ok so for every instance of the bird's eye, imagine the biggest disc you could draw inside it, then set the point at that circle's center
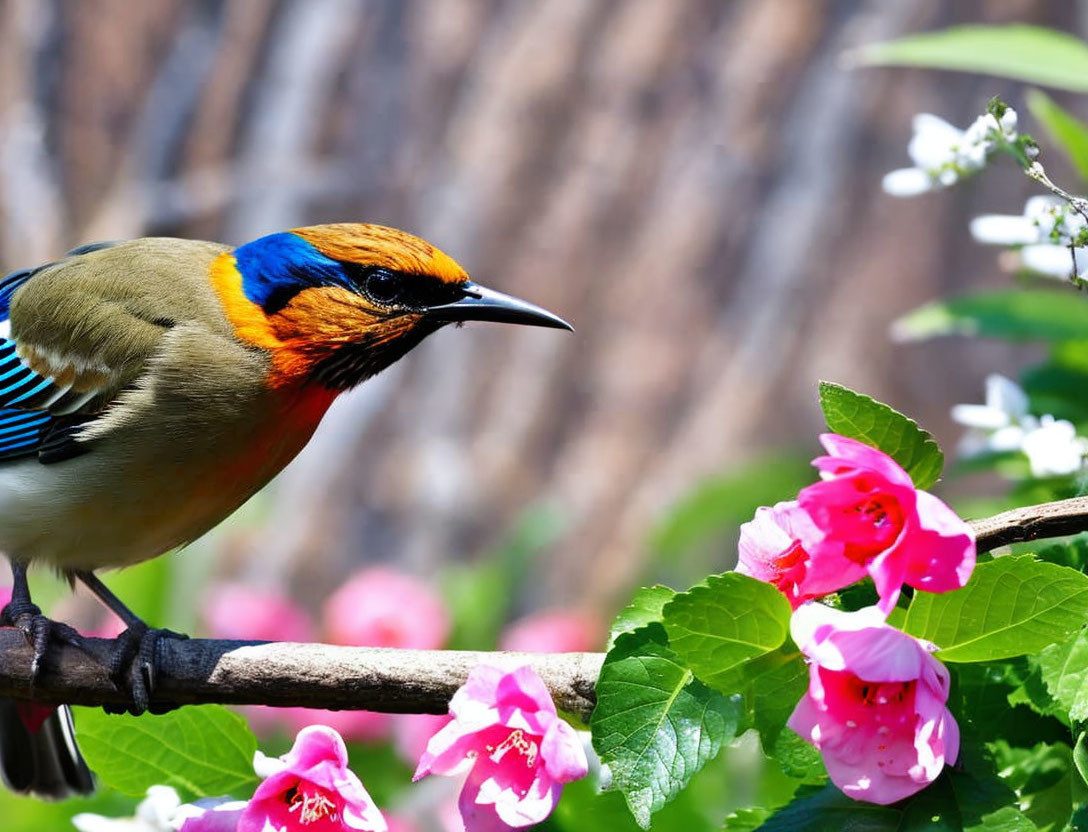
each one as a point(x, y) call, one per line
point(382, 286)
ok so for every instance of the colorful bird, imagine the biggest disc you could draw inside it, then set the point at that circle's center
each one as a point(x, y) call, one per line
point(149, 388)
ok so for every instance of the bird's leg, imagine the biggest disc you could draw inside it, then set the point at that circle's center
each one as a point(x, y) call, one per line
point(135, 657)
point(39, 630)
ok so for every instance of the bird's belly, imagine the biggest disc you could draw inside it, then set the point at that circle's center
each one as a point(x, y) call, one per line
point(115, 507)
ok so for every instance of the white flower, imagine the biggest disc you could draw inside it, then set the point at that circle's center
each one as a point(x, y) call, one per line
point(1045, 231)
point(160, 811)
point(154, 814)
point(1053, 449)
point(1003, 424)
point(943, 154)
point(999, 425)
point(1055, 261)
point(1046, 219)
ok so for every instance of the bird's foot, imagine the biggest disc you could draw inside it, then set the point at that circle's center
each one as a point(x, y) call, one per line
point(40, 631)
point(133, 666)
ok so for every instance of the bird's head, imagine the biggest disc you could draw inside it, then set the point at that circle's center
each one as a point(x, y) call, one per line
point(338, 303)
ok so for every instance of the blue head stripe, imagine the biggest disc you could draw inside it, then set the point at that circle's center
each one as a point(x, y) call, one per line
point(276, 268)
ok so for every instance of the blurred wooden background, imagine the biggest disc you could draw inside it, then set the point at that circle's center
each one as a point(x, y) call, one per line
point(694, 183)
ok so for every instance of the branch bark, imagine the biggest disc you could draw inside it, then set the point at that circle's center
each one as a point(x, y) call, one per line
point(197, 671)
point(283, 674)
point(1020, 525)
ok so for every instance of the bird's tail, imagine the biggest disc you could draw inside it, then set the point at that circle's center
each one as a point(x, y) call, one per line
point(38, 752)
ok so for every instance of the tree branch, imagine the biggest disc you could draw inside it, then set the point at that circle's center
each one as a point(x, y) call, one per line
point(1032, 523)
point(197, 671)
point(285, 674)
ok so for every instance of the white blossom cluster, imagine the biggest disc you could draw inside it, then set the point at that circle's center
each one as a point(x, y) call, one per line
point(1045, 233)
point(161, 811)
point(1003, 424)
point(943, 154)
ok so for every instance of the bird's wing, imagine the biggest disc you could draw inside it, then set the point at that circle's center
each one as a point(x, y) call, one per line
point(73, 334)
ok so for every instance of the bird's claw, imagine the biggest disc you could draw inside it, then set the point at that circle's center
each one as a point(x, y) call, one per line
point(133, 666)
point(40, 631)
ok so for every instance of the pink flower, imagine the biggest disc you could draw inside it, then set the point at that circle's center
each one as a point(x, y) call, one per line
point(867, 517)
point(236, 611)
point(517, 751)
point(770, 550)
point(382, 608)
point(312, 788)
point(553, 631)
point(875, 706)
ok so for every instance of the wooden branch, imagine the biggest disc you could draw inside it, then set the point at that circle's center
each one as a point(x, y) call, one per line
point(194, 671)
point(1032, 523)
point(284, 674)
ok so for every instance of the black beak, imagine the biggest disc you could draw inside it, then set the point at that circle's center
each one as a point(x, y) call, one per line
point(483, 304)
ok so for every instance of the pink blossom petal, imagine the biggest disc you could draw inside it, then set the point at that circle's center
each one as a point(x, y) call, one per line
point(564, 755)
point(846, 452)
point(448, 751)
point(506, 732)
point(944, 555)
point(314, 788)
point(876, 704)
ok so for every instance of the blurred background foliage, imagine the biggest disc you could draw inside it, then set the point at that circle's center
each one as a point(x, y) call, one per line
point(694, 183)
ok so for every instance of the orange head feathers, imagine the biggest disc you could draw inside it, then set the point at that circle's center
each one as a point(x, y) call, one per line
point(336, 304)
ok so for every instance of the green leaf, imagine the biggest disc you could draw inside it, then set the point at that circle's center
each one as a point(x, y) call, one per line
point(1058, 389)
point(980, 700)
point(799, 759)
point(983, 801)
point(829, 810)
point(1011, 606)
point(644, 608)
point(1025, 53)
point(776, 683)
point(1034, 693)
point(202, 751)
point(1012, 314)
point(857, 416)
point(1065, 670)
point(1064, 128)
point(655, 725)
point(745, 820)
point(1080, 756)
point(1072, 553)
point(717, 627)
point(1045, 779)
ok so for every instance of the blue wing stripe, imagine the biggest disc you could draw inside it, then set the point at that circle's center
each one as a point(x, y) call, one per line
point(22, 431)
point(16, 440)
point(18, 368)
point(24, 448)
point(28, 376)
point(13, 425)
point(19, 429)
point(45, 385)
